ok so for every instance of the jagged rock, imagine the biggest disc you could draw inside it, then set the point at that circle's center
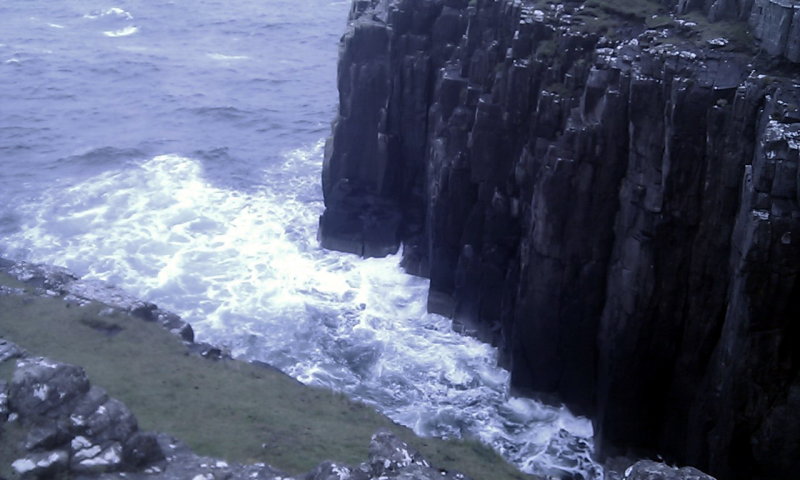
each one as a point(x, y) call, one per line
point(9, 351)
point(88, 458)
point(176, 325)
point(619, 216)
point(389, 458)
point(42, 465)
point(142, 450)
point(111, 422)
point(649, 470)
point(388, 455)
point(60, 281)
point(211, 352)
point(46, 277)
point(43, 388)
point(48, 436)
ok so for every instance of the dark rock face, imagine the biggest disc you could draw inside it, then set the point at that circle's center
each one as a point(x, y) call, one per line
point(620, 217)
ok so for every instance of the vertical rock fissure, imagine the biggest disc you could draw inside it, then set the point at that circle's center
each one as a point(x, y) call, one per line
point(605, 192)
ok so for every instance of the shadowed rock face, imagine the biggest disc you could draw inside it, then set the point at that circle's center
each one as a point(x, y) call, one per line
point(619, 216)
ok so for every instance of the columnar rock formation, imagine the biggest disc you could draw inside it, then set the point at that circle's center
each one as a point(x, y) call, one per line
point(603, 190)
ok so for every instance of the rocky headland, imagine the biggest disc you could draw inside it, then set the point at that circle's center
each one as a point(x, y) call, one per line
point(607, 190)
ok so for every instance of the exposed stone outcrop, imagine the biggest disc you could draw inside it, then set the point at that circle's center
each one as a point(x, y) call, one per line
point(58, 281)
point(619, 214)
point(72, 426)
point(75, 430)
point(648, 470)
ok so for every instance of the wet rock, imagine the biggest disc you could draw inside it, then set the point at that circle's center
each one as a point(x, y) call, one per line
point(388, 455)
point(208, 351)
point(649, 470)
point(176, 325)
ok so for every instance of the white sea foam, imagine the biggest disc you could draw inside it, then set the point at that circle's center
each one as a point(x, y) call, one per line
point(123, 32)
point(111, 12)
point(219, 56)
point(55, 25)
point(245, 269)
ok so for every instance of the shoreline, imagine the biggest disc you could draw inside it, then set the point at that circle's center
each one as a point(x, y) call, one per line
point(195, 391)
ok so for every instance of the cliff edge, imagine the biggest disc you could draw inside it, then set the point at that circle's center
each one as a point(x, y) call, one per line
point(608, 191)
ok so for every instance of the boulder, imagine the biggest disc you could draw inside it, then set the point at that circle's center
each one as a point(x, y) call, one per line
point(9, 351)
point(649, 470)
point(46, 389)
point(87, 458)
point(142, 450)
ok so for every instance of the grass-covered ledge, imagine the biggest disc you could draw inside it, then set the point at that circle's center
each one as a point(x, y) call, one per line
point(226, 409)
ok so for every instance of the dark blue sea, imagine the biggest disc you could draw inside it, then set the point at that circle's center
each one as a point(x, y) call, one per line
point(173, 148)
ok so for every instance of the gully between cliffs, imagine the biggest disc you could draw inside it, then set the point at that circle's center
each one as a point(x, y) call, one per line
point(602, 192)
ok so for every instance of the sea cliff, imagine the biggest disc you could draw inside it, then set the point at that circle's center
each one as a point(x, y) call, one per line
point(608, 191)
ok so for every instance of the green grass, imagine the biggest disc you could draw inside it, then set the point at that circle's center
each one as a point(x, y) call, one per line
point(627, 9)
point(604, 17)
point(735, 32)
point(228, 409)
point(11, 438)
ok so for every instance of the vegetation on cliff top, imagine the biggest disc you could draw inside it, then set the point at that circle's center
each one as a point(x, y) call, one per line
point(227, 409)
point(613, 18)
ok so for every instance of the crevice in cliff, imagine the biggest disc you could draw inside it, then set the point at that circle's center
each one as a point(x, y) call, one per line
point(610, 197)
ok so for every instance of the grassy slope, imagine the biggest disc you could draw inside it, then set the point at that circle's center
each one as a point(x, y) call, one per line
point(232, 410)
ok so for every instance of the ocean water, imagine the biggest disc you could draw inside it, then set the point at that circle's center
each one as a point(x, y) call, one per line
point(173, 148)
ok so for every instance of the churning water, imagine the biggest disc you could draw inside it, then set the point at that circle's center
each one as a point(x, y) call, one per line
point(174, 148)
